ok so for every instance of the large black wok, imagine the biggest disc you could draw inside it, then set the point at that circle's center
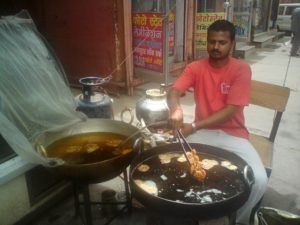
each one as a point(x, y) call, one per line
point(178, 194)
point(97, 171)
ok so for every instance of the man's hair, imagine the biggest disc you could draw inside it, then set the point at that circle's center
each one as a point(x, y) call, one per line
point(222, 25)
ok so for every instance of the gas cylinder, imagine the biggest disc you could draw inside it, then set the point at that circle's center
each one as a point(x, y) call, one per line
point(94, 104)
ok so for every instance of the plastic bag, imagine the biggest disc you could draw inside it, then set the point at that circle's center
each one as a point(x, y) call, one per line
point(34, 93)
point(271, 216)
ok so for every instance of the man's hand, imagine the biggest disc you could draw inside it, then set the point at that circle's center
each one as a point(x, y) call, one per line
point(186, 129)
point(176, 118)
point(176, 114)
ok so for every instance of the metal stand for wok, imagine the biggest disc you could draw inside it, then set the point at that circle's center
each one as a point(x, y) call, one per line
point(81, 187)
point(153, 218)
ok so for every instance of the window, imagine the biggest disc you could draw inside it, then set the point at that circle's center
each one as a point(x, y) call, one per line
point(147, 6)
point(206, 6)
point(289, 10)
point(280, 10)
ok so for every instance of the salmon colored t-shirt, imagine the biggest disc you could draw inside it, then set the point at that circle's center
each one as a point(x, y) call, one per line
point(214, 88)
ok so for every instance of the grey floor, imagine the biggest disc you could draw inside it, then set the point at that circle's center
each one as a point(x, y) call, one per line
point(270, 64)
point(64, 215)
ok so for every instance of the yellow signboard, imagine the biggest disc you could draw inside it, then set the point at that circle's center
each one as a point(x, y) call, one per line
point(202, 22)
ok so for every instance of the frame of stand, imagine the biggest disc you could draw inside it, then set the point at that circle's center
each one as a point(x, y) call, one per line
point(82, 187)
point(154, 218)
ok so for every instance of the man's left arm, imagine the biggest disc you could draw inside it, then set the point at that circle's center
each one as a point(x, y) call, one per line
point(215, 119)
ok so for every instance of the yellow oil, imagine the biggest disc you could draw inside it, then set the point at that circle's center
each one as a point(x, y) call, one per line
point(88, 147)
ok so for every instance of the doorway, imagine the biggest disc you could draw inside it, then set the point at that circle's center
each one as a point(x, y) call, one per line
point(149, 35)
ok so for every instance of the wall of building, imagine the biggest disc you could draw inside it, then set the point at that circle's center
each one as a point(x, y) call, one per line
point(27, 191)
point(87, 36)
point(84, 35)
point(14, 200)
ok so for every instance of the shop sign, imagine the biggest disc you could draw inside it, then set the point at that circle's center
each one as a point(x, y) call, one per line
point(242, 24)
point(202, 22)
point(147, 35)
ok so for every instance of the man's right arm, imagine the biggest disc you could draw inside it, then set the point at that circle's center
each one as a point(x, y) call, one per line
point(176, 114)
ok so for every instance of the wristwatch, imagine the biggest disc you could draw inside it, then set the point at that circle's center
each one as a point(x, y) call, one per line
point(194, 127)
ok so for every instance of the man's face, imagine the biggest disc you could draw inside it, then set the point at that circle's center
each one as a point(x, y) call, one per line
point(219, 44)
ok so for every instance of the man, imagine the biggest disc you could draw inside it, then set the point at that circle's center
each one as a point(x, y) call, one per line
point(295, 28)
point(221, 87)
point(274, 13)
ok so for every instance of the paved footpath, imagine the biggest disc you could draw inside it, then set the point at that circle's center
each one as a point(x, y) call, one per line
point(273, 64)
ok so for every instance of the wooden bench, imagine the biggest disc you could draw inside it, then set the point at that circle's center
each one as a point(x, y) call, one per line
point(273, 97)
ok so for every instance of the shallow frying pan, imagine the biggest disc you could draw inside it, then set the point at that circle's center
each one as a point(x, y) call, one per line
point(160, 180)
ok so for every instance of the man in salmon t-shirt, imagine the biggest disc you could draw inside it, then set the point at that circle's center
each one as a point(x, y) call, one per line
point(221, 87)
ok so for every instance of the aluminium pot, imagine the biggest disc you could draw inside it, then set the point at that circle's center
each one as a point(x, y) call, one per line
point(101, 170)
point(153, 107)
point(221, 193)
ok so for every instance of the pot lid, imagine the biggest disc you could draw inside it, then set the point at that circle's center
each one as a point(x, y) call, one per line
point(155, 93)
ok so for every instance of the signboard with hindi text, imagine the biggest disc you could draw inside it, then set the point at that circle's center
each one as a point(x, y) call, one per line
point(202, 22)
point(147, 35)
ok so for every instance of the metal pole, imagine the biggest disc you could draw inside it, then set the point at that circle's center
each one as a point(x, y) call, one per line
point(228, 6)
point(166, 42)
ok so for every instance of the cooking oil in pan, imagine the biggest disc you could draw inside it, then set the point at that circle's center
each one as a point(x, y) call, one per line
point(172, 179)
point(88, 147)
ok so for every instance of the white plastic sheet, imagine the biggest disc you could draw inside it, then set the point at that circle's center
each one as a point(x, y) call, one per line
point(34, 93)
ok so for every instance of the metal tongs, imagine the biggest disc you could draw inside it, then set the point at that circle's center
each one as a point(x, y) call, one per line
point(183, 141)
